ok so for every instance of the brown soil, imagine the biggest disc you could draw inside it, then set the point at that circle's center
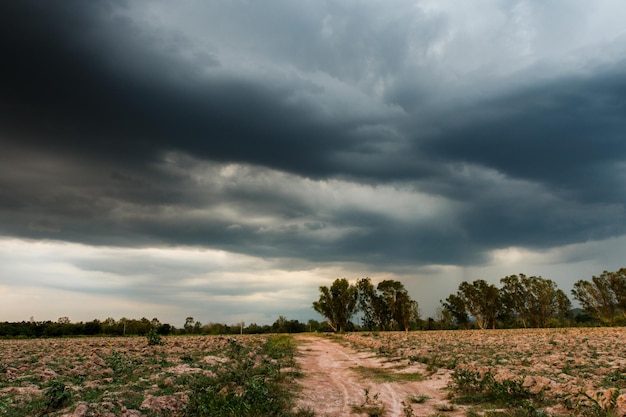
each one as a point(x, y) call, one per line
point(332, 386)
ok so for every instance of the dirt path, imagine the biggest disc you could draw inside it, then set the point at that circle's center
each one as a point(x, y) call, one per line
point(332, 385)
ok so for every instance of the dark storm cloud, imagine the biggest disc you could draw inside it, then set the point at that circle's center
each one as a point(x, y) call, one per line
point(567, 135)
point(87, 80)
point(117, 131)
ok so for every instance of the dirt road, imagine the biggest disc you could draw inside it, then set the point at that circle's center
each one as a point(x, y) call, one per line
point(336, 379)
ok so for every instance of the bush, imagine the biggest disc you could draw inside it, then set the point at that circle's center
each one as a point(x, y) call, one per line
point(154, 338)
point(475, 387)
point(249, 384)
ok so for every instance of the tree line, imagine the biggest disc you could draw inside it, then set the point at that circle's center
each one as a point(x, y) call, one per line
point(520, 301)
point(63, 327)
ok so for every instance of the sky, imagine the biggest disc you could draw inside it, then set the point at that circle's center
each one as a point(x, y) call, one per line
point(222, 160)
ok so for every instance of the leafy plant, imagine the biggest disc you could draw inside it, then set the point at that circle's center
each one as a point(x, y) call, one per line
point(246, 385)
point(445, 407)
point(371, 406)
point(475, 387)
point(154, 338)
point(119, 362)
point(418, 399)
point(57, 395)
point(385, 375)
point(603, 404)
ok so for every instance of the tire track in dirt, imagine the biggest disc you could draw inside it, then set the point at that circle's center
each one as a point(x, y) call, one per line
point(331, 386)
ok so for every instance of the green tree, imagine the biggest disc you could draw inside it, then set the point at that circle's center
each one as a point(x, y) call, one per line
point(400, 309)
point(337, 303)
point(482, 301)
point(533, 300)
point(189, 325)
point(604, 297)
point(454, 307)
point(370, 305)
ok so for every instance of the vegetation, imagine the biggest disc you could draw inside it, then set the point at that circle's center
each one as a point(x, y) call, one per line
point(187, 376)
point(371, 406)
point(153, 330)
point(386, 307)
point(521, 302)
point(252, 383)
point(604, 298)
point(514, 372)
point(337, 303)
point(533, 300)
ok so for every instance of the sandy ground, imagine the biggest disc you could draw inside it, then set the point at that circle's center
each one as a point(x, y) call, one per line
point(332, 387)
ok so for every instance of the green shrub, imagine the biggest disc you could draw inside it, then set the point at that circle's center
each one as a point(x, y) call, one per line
point(57, 396)
point(474, 387)
point(249, 384)
point(154, 338)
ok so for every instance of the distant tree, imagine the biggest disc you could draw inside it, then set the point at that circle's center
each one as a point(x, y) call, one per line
point(164, 329)
point(533, 300)
point(197, 327)
point(515, 296)
point(337, 303)
point(407, 313)
point(454, 307)
point(313, 325)
point(481, 300)
point(280, 325)
point(188, 326)
point(108, 325)
point(93, 327)
point(374, 312)
point(604, 297)
point(400, 309)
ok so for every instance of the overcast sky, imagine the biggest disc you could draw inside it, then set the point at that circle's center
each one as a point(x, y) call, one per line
point(222, 160)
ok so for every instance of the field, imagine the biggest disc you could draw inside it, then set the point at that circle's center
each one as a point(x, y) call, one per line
point(554, 371)
point(127, 377)
point(539, 372)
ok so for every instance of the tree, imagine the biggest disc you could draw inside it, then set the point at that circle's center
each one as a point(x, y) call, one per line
point(533, 300)
point(408, 313)
point(189, 325)
point(337, 303)
point(515, 297)
point(400, 309)
point(371, 306)
point(454, 306)
point(604, 297)
point(481, 300)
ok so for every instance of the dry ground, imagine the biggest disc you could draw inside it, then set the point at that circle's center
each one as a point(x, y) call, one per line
point(574, 371)
point(337, 376)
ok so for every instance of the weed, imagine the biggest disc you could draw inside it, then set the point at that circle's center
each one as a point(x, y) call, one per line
point(521, 411)
point(6, 405)
point(384, 375)
point(445, 407)
point(371, 406)
point(119, 363)
point(407, 409)
point(475, 387)
point(418, 399)
point(57, 395)
point(244, 386)
point(616, 378)
point(154, 338)
point(602, 404)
